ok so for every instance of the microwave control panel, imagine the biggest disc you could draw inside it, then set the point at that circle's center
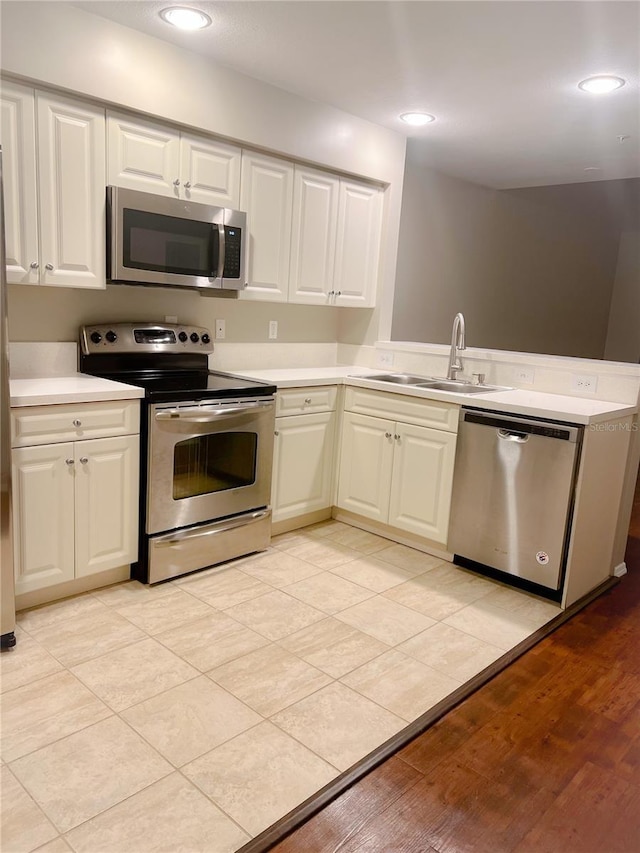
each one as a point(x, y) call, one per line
point(232, 251)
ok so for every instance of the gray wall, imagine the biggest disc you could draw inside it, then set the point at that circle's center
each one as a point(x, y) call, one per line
point(531, 269)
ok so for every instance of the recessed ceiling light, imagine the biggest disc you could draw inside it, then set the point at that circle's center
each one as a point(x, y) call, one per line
point(185, 18)
point(601, 84)
point(417, 119)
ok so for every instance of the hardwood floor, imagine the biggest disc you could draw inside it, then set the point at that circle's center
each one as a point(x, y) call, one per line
point(545, 758)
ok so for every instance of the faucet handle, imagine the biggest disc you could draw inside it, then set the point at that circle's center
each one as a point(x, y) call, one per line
point(480, 378)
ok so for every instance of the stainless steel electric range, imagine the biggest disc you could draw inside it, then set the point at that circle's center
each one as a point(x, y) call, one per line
point(206, 446)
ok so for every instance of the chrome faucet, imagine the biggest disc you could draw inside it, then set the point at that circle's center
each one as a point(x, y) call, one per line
point(457, 343)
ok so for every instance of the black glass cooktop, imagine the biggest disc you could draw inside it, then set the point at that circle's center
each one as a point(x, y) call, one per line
point(176, 386)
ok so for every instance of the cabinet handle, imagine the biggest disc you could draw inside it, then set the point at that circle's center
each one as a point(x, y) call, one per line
point(276, 433)
point(77, 423)
point(69, 461)
point(84, 459)
point(387, 435)
point(397, 437)
point(187, 186)
point(34, 265)
point(307, 400)
point(176, 183)
point(339, 293)
point(48, 267)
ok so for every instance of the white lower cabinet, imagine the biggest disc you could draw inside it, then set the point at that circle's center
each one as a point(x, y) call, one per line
point(75, 505)
point(303, 452)
point(395, 472)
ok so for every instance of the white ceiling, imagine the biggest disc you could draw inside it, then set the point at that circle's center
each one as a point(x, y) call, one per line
point(500, 77)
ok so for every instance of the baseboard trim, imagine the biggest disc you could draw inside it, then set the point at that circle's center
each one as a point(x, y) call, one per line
point(292, 821)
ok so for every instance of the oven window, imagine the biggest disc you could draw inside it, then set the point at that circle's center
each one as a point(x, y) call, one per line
point(214, 463)
point(152, 241)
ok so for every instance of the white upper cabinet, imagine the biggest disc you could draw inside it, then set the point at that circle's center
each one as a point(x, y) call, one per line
point(55, 210)
point(358, 244)
point(71, 162)
point(211, 171)
point(266, 194)
point(313, 238)
point(18, 129)
point(156, 159)
point(142, 155)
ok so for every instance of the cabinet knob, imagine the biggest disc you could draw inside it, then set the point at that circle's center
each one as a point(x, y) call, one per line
point(77, 423)
point(276, 433)
point(176, 183)
point(69, 461)
point(187, 186)
point(307, 400)
point(84, 459)
point(339, 293)
point(34, 265)
point(48, 267)
point(387, 435)
point(397, 437)
point(331, 292)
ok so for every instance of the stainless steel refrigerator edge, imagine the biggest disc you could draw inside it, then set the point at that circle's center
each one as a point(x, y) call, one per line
point(7, 582)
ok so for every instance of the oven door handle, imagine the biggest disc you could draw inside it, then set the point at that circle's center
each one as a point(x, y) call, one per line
point(210, 530)
point(203, 416)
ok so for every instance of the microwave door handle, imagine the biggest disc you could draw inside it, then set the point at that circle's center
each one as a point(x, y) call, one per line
point(221, 252)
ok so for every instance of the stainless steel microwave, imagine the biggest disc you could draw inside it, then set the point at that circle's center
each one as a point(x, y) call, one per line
point(169, 242)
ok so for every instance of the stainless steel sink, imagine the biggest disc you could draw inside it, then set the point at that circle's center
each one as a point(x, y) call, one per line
point(397, 378)
point(436, 384)
point(458, 386)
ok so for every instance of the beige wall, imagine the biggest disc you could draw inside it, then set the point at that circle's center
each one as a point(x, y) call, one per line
point(55, 313)
point(623, 333)
point(532, 269)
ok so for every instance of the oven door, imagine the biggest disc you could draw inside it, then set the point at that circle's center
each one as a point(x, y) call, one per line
point(208, 460)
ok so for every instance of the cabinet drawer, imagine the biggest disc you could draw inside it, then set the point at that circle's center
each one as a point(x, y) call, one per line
point(302, 401)
point(32, 425)
point(398, 407)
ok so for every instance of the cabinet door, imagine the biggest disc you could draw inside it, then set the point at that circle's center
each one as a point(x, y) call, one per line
point(366, 461)
point(143, 156)
point(266, 194)
point(422, 481)
point(18, 138)
point(71, 160)
point(106, 503)
point(313, 239)
point(302, 464)
point(210, 171)
point(358, 244)
point(43, 515)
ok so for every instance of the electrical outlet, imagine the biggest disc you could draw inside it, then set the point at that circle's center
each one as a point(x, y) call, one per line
point(273, 330)
point(384, 358)
point(220, 330)
point(169, 318)
point(524, 375)
point(584, 383)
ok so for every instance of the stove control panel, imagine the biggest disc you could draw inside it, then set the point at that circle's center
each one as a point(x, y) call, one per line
point(144, 337)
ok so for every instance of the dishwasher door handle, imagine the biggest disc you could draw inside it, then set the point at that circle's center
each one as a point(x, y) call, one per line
point(509, 435)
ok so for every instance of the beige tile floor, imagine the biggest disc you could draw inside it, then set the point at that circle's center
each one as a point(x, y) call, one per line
point(192, 715)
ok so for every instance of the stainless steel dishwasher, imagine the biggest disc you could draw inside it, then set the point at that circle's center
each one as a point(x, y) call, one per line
point(513, 494)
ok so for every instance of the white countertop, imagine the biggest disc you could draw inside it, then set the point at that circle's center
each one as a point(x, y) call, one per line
point(77, 388)
point(579, 410)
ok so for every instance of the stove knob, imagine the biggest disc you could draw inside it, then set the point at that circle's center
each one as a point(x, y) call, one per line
point(111, 336)
point(206, 339)
point(194, 337)
point(182, 336)
point(96, 337)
